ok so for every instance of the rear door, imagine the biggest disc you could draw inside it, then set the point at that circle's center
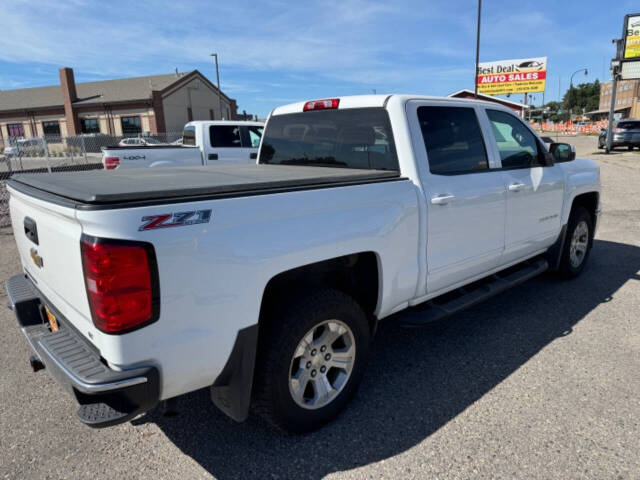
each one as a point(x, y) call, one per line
point(465, 197)
point(534, 192)
point(225, 146)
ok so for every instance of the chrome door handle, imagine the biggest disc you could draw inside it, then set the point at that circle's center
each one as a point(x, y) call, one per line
point(442, 199)
point(516, 187)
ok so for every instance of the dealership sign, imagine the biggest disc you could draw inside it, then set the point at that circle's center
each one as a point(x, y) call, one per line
point(632, 37)
point(512, 76)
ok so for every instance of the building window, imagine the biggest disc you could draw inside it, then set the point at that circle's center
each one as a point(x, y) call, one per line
point(131, 125)
point(15, 130)
point(90, 125)
point(51, 128)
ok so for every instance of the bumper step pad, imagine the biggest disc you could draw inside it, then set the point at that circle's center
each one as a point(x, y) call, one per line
point(103, 415)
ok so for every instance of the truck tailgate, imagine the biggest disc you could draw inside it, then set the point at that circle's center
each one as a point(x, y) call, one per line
point(48, 241)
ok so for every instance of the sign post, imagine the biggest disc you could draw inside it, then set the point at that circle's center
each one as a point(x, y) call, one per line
point(625, 65)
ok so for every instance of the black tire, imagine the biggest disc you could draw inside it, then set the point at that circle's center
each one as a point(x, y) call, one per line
point(630, 147)
point(285, 328)
point(567, 269)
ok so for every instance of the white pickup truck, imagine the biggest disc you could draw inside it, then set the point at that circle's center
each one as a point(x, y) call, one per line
point(215, 142)
point(266, 282)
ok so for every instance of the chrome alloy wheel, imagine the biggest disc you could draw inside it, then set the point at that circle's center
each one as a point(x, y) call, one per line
point(322, 364)
point(579, 244)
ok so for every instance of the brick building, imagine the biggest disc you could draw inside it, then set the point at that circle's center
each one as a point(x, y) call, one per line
point(127, 106)
point(627, 100)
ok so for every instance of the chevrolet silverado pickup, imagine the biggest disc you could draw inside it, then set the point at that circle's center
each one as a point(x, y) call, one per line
point(265, 282)
point(216, 142)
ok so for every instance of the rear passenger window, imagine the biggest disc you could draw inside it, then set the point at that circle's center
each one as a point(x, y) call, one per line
point(225, 136)
point(453, 140)
point(517, 146)
point(189, 136)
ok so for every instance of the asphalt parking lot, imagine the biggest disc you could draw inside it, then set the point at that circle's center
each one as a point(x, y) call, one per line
point(540, 382)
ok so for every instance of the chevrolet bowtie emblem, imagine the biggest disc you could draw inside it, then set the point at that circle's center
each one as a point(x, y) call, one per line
point(37, 259)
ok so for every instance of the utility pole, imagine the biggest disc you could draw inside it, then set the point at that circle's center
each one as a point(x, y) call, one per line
point(615, 69)
point(475, 73)
point(215, 55)
point(560, 102)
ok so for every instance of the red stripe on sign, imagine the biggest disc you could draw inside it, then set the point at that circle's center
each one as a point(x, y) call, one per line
point(511, 77)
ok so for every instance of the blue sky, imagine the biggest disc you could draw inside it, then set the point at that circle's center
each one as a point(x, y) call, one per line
point(274, 52)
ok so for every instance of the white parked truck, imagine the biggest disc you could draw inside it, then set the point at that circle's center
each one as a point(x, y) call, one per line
point(266, 282)
point(215, 142)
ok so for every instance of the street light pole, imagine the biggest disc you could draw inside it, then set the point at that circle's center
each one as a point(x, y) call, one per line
point(586, 72)
point(215, 55)
point(475, 73)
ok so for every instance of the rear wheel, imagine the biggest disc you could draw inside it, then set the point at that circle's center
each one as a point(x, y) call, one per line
point(311, 361)
point(630, 147)
point(577, 244)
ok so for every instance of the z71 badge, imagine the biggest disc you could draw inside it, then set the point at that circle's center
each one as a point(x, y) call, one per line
point(179, 219)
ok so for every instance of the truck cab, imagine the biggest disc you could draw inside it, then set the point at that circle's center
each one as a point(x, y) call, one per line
point(224, 142)
point(204, 142)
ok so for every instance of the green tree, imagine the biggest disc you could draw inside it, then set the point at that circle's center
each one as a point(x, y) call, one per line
point(585, 97)
point(555, 112)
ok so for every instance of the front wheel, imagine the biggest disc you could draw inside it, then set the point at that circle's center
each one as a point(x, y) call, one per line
point(578, 243)
point(311, 360)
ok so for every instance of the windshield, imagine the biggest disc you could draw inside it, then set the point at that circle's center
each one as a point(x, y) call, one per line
point(152, 141)
point(350, 138)
point(629, 125)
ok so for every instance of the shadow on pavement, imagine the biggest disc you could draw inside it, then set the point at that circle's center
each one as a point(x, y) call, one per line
point(417, 381)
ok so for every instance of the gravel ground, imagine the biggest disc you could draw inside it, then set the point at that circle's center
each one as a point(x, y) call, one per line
point(540, 382)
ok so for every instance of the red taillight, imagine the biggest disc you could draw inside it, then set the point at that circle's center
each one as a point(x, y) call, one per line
point(326, 104)
point(121, 281)
point(111, 163)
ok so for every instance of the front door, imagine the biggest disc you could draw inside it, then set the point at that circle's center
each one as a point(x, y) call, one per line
point(466, 198)
point(534, 192)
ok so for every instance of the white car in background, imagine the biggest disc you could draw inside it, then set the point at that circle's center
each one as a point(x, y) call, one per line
point(140, 142)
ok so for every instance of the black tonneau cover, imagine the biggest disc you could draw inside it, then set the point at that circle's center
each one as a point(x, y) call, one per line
point(168, 184)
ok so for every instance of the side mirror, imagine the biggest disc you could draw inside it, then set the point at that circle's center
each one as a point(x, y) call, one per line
point(562, 152)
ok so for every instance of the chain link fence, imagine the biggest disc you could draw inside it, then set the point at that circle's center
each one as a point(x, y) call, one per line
point(63, 154)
